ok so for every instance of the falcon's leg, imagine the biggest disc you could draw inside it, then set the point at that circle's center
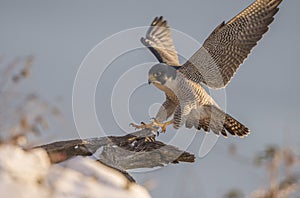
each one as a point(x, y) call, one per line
point(165, 111)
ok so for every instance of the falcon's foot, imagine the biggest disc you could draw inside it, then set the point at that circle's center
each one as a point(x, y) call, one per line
point(150, 138)
point(143, 125)
point(164, 125)
point(153, 126)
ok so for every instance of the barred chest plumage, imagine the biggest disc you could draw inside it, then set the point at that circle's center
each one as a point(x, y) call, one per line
point(182, 90)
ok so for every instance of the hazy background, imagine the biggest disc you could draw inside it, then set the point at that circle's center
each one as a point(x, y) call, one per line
point(264, 94)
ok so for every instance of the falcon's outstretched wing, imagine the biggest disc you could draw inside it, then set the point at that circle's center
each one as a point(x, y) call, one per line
point(159, 41)
point(229, 45)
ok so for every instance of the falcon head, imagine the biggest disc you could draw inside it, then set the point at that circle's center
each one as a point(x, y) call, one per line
point(161, 73)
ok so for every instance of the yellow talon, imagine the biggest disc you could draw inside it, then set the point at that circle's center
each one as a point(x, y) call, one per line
point(150, 139)
point(132, 139)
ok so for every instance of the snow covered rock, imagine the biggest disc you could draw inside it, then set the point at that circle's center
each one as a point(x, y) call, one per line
point(30, 174)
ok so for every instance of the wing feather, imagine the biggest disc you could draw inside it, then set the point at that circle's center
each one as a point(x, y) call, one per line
point(160, 43)
point(229, 45)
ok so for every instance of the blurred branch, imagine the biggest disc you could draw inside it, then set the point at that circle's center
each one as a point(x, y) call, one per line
point(281, 185)
point(8, 73)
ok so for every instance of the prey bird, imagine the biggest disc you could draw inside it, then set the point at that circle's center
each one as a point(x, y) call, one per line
point(214, 64)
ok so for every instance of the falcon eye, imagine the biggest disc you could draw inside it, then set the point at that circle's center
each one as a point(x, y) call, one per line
point(157, 74)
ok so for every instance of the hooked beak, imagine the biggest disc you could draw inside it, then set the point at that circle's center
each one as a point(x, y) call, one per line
point(151, 79)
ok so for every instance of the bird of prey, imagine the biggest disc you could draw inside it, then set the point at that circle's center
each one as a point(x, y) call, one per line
point(214, 64)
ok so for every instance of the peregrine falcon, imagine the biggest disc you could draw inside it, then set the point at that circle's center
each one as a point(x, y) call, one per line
point(214, 64)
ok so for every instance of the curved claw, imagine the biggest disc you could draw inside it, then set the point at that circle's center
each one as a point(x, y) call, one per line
point(157, 133)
